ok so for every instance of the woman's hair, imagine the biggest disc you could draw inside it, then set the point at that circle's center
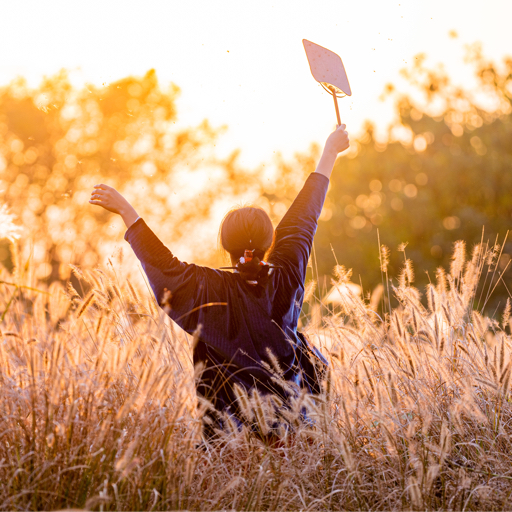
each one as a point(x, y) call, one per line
point(247, 229)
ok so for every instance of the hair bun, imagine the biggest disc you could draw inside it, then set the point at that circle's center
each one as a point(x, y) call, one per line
point(253, 269)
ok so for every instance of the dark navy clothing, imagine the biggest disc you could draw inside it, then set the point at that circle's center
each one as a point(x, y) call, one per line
point(235, 338)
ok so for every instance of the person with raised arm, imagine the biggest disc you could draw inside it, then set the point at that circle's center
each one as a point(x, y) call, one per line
point(248, 317)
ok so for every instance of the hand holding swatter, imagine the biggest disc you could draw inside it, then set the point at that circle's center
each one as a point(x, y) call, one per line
point(327, 69)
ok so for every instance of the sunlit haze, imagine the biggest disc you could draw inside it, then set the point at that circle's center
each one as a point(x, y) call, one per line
point(242, 64)
point(200, 310)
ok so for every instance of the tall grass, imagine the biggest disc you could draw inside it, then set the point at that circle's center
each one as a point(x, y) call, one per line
point(98, 409)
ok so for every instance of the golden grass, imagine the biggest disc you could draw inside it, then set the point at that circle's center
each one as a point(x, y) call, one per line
point(98, 411)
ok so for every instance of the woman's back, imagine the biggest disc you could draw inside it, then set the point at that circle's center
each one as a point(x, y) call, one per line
point(245, 328)
point(236, 316)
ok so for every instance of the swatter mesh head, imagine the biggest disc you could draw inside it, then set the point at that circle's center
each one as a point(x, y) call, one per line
point(327, 68)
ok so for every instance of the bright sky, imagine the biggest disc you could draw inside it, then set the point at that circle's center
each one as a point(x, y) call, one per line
point(242, 63)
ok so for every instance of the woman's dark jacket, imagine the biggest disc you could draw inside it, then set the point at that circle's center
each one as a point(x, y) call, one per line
point(235, 338)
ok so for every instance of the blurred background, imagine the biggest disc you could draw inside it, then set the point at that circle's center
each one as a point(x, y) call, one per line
point(191, 108)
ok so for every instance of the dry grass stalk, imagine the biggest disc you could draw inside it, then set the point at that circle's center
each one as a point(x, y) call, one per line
point(98, 408)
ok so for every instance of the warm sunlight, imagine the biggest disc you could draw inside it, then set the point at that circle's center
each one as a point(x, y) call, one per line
point(214, 298)
point(243, 64)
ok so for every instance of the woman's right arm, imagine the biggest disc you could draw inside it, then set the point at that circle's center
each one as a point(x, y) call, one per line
point(337, 142)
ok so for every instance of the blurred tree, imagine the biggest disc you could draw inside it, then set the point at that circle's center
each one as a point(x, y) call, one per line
point(443, 175)
point(56, 142)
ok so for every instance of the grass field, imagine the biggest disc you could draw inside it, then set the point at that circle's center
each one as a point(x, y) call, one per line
point(98, 406)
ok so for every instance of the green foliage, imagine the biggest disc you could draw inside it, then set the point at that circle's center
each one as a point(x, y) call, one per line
point(443, 174)
point(447, 178)
point(57, 142)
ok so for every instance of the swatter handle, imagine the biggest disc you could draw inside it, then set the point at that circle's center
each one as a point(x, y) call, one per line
point(336, 107)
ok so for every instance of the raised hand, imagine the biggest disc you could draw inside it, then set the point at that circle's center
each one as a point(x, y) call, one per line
point(110, 199)
point(338, 140)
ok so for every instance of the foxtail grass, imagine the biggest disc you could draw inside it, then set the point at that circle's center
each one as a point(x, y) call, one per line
point(99, 411)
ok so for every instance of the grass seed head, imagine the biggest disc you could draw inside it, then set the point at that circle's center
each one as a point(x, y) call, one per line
point(432, 298)
point(506, 314)
point(458, 259)
point(384, 258)
point(441, 280)
point(8, 230)
point(87, 303)
point(342, 274)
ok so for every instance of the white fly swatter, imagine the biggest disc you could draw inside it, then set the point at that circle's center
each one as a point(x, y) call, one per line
point(327, 69)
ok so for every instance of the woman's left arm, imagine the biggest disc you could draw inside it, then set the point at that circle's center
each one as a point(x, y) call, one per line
point(194, 293)
point(110, 199)
point(146, 245)
point(190, 286)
